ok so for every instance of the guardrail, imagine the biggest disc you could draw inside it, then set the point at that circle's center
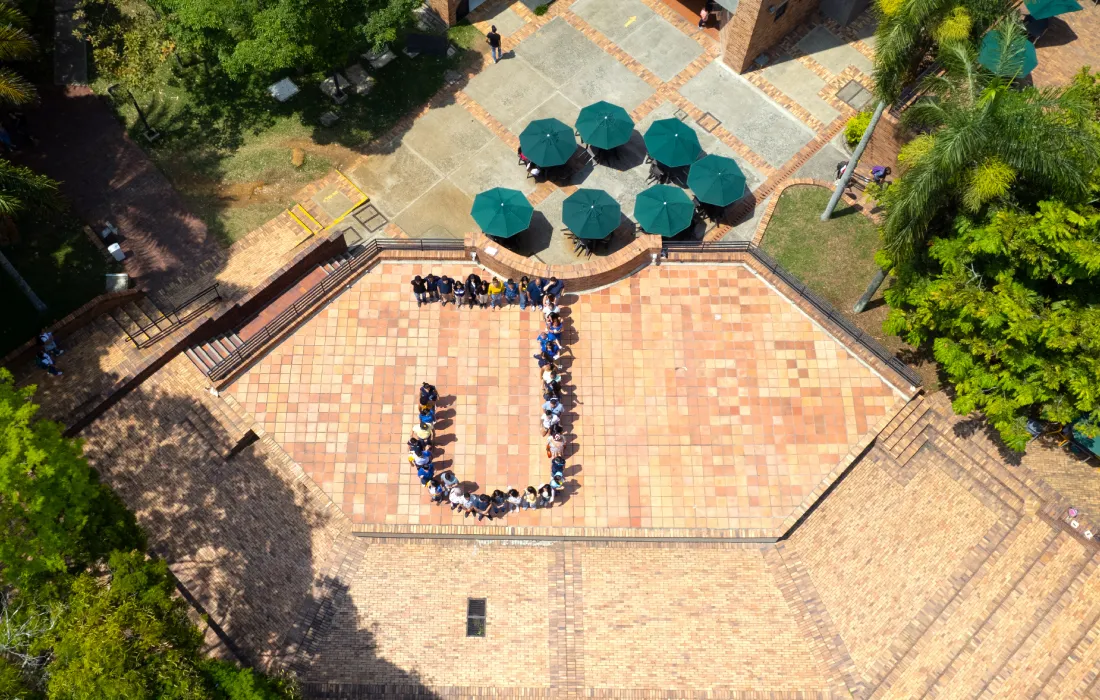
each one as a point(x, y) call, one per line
point(819, 304)
point(360, 258)
point(176, 318)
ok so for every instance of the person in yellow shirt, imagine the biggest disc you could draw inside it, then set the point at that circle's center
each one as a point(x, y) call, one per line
point(496, 293)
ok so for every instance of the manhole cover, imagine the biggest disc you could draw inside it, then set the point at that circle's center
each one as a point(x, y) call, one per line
point(854, 95)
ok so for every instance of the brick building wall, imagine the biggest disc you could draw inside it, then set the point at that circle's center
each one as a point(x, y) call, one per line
point(753, 29)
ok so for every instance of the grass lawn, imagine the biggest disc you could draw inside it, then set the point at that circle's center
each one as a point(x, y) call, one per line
point(232, 160)
point(60, 264)
point(835, 258)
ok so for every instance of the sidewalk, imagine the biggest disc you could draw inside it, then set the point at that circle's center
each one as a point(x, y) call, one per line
point(106, 176)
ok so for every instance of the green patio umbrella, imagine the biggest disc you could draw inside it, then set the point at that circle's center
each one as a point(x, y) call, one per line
point(502, 212)
point(1045, 9)
point(590, 213)
point(663, 209)
point(716, 180)
point(672, 142)
point(1019, 63)
point(547, 142)
point(604, 125)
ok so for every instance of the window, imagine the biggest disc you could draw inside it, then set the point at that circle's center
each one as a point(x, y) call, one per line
point(475, 617)
point(780, 11)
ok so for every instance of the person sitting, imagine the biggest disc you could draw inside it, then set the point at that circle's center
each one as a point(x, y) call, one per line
point(532, 169)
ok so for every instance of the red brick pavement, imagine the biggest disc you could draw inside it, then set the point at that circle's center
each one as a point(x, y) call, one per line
point(106, 176)
point(732, 431)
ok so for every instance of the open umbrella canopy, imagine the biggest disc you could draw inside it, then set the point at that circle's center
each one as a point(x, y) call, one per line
point(672, 142)
point(1044, 9)
point(1014, 59)
point(716, 180)
point(664, 210)
point(547, 142)
point(590, 213)
point(502, 212)
point(604, 125)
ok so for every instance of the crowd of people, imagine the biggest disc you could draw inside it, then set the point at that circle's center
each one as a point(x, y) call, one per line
point(494, 293)
point(445, 487)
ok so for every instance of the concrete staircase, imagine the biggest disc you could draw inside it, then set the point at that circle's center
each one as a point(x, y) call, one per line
point(1023, 621)
point(143, 321)
point(208, 354)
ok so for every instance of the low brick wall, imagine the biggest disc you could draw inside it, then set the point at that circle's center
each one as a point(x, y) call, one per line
point(596, 272)
point(77, 319)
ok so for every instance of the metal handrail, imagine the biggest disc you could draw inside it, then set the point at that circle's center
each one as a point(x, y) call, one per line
point(173, 317)
point(365, 254)
point(360, 258)
point(821, 305)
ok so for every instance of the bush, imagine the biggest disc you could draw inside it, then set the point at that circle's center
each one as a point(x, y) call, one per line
point(853, 131)
point(542, 10)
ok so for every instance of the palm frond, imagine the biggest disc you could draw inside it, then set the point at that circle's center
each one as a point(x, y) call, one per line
point(14, 88)
point(991, 180)
point(15, 44)
point(21, 188)
point(12, 15)
point(954, 27)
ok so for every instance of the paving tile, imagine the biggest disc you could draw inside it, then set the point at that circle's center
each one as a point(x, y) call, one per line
point(393, 180)
point(615, 19)
point(605, 78)
point(558, 51)
point(769, 130)
point(802, 85)
point(833, 52)
point(441, 212)
point(447, 136)
point(743, 421)
point(495, 165)
point(508, 89)
point(661, 47)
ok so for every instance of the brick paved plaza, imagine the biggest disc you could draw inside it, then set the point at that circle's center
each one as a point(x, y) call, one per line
point(697, 398)
point(755, 506)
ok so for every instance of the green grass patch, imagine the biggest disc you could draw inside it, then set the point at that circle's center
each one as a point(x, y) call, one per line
point(230, 153)
point(836, 258)
point(61, 265)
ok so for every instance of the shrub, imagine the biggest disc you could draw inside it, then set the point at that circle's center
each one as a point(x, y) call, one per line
point(542, 10)
point(853, 131)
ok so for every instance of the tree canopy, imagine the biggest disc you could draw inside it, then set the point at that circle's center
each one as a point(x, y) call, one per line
point(267, 36)
point(56, 513)
point(1011, 309)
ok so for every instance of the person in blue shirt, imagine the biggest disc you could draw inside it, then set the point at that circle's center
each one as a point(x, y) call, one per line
point(553, 405)
point(534, 295)
point(425, 472)
point(427, 415)
point(553, 327)
point(557, 468)
point(553, 287)
point(511, 291)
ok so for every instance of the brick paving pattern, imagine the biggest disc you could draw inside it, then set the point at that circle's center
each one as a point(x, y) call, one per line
point(699, 398)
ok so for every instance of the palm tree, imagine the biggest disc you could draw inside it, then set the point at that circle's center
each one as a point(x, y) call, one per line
point(15, 45)
point(909, 31)
point(986, 141)
point(22, 188)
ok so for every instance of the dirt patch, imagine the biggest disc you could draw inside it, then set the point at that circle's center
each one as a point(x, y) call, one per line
point(340, 156)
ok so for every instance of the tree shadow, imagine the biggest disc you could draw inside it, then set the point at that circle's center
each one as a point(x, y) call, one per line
point(258, 551)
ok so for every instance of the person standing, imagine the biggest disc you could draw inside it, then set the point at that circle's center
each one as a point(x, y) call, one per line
point(523, 293)
point(546, 496)
point(431, 282)
point(494, 44)
point(437, 491)
point(473, 283)
point(428, 394)
point(459, 293)
point(534, 295)
point(555, 445)
point(553, 405)
point(496, 293)
point(511, 291)
point(425, 472)
point(554, 327)
point(420, 290)
point(46, 362)
point(515, 500)
point(49, 344)
point(483, 295)
point(446, 290)
point(530, 498)
point(554, 287)
point(549, 420)
point(459, 500)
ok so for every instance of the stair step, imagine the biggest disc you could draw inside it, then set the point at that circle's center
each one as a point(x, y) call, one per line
point(947, 637)
point(194, 357)
point(205, 357)
point(223, 350)
point(1016, 618)
point(234, 339)
point(154, 314)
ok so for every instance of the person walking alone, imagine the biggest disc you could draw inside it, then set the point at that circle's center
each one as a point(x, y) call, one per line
point(494, 44)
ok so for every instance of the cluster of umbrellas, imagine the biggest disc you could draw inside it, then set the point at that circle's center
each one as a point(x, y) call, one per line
point(1021, 59)
point(594, 214)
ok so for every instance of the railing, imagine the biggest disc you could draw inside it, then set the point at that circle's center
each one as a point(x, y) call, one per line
point(360, 258)
point(176, 317)
point(820, 305)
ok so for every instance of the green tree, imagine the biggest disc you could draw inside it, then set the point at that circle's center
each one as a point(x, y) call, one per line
point(261, 37)
point(1011, 308)
point(909, 32)
point(22, 188)
point(986, 142)
point(57, 516)
point(16, 44)
point(124, 635)
point(129, 42)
